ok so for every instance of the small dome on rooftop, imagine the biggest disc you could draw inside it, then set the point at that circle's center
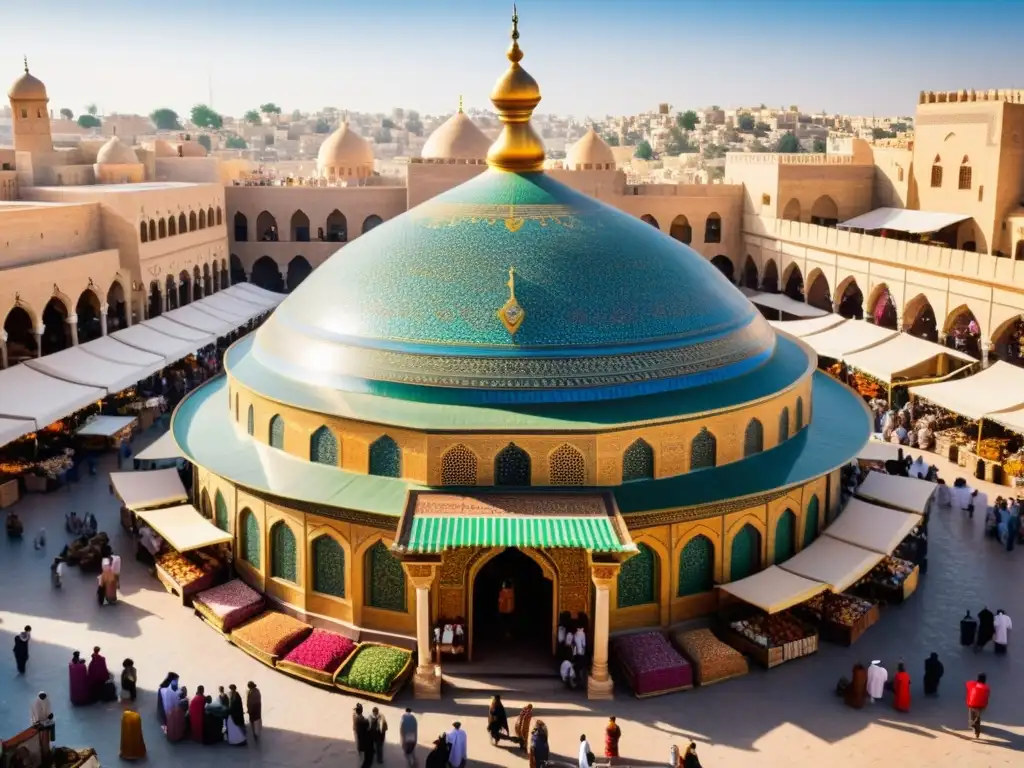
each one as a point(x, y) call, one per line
point(116, 152)
point(344, 149)
point(458, 138)
point(592, 151)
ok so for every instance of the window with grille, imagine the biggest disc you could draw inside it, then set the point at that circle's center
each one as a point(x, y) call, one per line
point(965, 177)
point(284, 560)
point(696, 567)
point(328, 567)
point(638, 462)
point(936, 175)
point(458, 466)
point(385, 588)
point(811, 521)
point(277, 433)
point(567, 466)
point(785, 537)
point(745, 554)
point(753, 438)
point(250, 539)
point(784, 425)
point(638, 578)
point(220, 511)
point(799, 414)
point(512, 466)
point(323, 447)
point(703, 450)
point(385, 458)
point(250, 421)
point(713, 229)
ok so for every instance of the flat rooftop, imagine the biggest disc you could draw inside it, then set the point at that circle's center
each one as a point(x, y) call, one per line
point(117, 188)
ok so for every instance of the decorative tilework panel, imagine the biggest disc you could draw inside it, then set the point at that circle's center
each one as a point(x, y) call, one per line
point(386, 586)
point(746, 553)
point(785, 536)
point(811, 520)
point(328, 567)
point(799, 414)
point(696, 567)
point(323, 447)
point(284, 559)
point(250, 421)
point(458, 466)
point(567, 466)
point(276, 438)
point(250, 539)
point(638, 578)
point(703, 450)
point(385, 458)
point(784, 425)
point(220, 511)
point(638, 462)
point(512, 466)
point(753, 438)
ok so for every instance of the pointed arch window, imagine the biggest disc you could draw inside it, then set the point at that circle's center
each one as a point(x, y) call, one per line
point(567, 466)
point(784, 425)
point(745, 553)
point(220, 511)
point(276, 436)
point(799, 414)
point(458, 466)
point(753, 438)
point(785, 537)
point(638, 462)
point(385, 589)
point(811, 521)
point(284, 559)
point(964, 179)
point(703, 450)
point(328, 567)
point(323, 447)
point(937, 172)
point(512, 466)
point(696, 567)
point(385, 457)
point(638, 578)
point(251, 421)
point(250, 539)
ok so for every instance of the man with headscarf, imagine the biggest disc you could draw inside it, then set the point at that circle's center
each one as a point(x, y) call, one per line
point(168, 696)
point(877, 677)
point(195, 714)
point(41, 715)
point(933, 671)
point(986, 628)
point(408, 732)
point(98, 674)
point(78, 681)
point(585, 753)
point(21, 649)
point(254, 706)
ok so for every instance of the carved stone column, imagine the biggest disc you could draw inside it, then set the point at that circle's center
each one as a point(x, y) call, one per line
point(600, 684)
point(426, 681)
point(72, 330)
point(986, 347)
point(103, 319)
point(38, 335)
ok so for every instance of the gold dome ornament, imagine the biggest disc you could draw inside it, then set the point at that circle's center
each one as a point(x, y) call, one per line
point(515, 96)
point(512, 313)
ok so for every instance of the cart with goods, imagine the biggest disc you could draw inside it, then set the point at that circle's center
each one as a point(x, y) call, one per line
point(712, 660)
point(270, 636)
point(375, 670)
point(890, 582)
point(318, 658)
point(650, 664)
point(228, 605)
point(840, 618)
point(771, 639)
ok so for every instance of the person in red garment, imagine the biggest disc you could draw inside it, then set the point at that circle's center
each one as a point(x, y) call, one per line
point(977, 702)
point(195, 715)
point(901, 689)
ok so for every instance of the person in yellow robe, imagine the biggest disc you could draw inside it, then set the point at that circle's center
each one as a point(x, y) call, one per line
point(133, 746)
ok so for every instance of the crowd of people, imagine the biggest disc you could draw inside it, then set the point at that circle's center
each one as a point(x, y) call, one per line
point(572, 649)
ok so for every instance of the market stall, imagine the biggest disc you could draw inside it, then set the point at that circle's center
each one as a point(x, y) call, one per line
point(904, 359)
point(712, 660)
point(192, 316)
point(101, 432)
point(142, 490)
point(772, 635)
point(869, 526)
point(318, 658)
point(160, 451)
point(801, 328)
point(375, 670)
point(190, 561)
point(77, 366)
point(781, 304)
point(908, 494)
point(149, 339)
point(847, 337)
point(890, 582)
point(28, 394)
point(270, 636)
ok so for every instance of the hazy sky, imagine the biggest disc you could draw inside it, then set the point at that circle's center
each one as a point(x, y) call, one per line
point(591, 57)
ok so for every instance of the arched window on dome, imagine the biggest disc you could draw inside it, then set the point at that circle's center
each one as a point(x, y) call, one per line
point(566, 466)
point(220, 216)
point(638, 462)
point(745, 555)
point(250, 538)
point(385, 457)
point(784, 425)
point(323, 447)
point(753, 438)
point(696, 567)
point(276, 433)
point(337, 227)
point(250, 421)
point(220, 511)
point(193, 221)
point(458, 466)
point(152, 230)
point(703, 450)
point(638, 578)
point(811, 521)
point(284, 557)
point(785, 536)
point(799, 414)
point(371, 222)
point(328, 567)
point(713, 228)
point(202, 219)
point(143, 232)
point(512, 466)
point(385, 589)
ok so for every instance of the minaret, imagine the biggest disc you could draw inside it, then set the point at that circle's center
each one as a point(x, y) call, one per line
point(31, 114)
point(515, 96)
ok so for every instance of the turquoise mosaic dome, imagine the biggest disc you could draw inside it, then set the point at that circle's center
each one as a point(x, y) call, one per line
point(514, 288)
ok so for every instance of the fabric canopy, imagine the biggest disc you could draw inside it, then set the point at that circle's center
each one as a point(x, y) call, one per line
point(876, 450)
point(12, 429)
point(105, 426)
point(26, 393)
point(902, 220)
point(158, 487)
point(900, 353)
point(239, 308)
point(879, 529)
point(250, 292)
point(79, 367)
point(183, 527)
point(161, 449)
point(773, 589)
point(179, 331)
point(782, 303)
point(834, 562)
point(801, 328)
point(910, 494)
point(848, 337)
point(1013, 420)
point(109, 348)
point(146, 338)
point(191, 316)
point(1000, 387)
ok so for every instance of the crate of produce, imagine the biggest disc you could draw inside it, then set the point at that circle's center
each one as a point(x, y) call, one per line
point(651, 665)
point(841, 618)
point(319, 657)
point(375, 670)
point(183, 577)
point(890, 582)
point(229, 605)
point(270, 636)
point(772, 639)
point(713, 661)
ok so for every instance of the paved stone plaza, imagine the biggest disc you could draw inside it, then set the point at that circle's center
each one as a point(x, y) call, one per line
point(788, 716)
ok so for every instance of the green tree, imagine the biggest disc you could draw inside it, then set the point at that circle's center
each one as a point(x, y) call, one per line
point(819, 146)
point(678, 143)
point(643, 150)
point(788, 144)
point(322, 126)
point(204, 117)
point(611, 139)
point(67, 114)
point(235, 142)
point(91, 109)
point(714, 151)
point(165, 119)
point(89, 121)
point(388, 123)
point(270, 108)
point(881, 133)
point(746, 123)
point(253, 117)
point(205, 143)
point(687, 120)
point(761, 130)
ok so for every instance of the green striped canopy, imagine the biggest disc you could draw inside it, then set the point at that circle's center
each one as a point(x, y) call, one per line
point(436, 534)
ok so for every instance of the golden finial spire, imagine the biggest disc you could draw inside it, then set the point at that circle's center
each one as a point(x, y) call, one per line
point(460, 103)
point(515, 96)
point(512, 313)
point(24, 58)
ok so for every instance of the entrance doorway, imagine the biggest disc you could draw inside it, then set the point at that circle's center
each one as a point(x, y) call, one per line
point(528, 626)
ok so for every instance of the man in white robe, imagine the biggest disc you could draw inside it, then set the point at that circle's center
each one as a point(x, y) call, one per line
point(876, 681)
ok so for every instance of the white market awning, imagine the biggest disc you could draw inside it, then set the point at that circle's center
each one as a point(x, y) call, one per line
point(902, 220)
point(801, 328)
point(161, 449)
point(773, 589)
point(109, 348)
point(78, 367)
point(26, 393)
point(877, 450)
point(910, 494)
point(782, 303)
point(869, 526)
point(148, 339)
point(1000, 387)
point(900, 353)
point(183, 527)
point(105, 426)
point(237, 308)
point(170, 328)
point(12, 429)
point(1012, 420)
point(834, 562)
point(260, 295)
point(847, 337)
point(153, 488)
point(191, 316)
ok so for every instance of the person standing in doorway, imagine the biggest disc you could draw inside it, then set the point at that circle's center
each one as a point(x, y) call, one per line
point(1001, 626)
point(21, 649)
point(977, 702)
point(506, 607)
point(408, 732)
